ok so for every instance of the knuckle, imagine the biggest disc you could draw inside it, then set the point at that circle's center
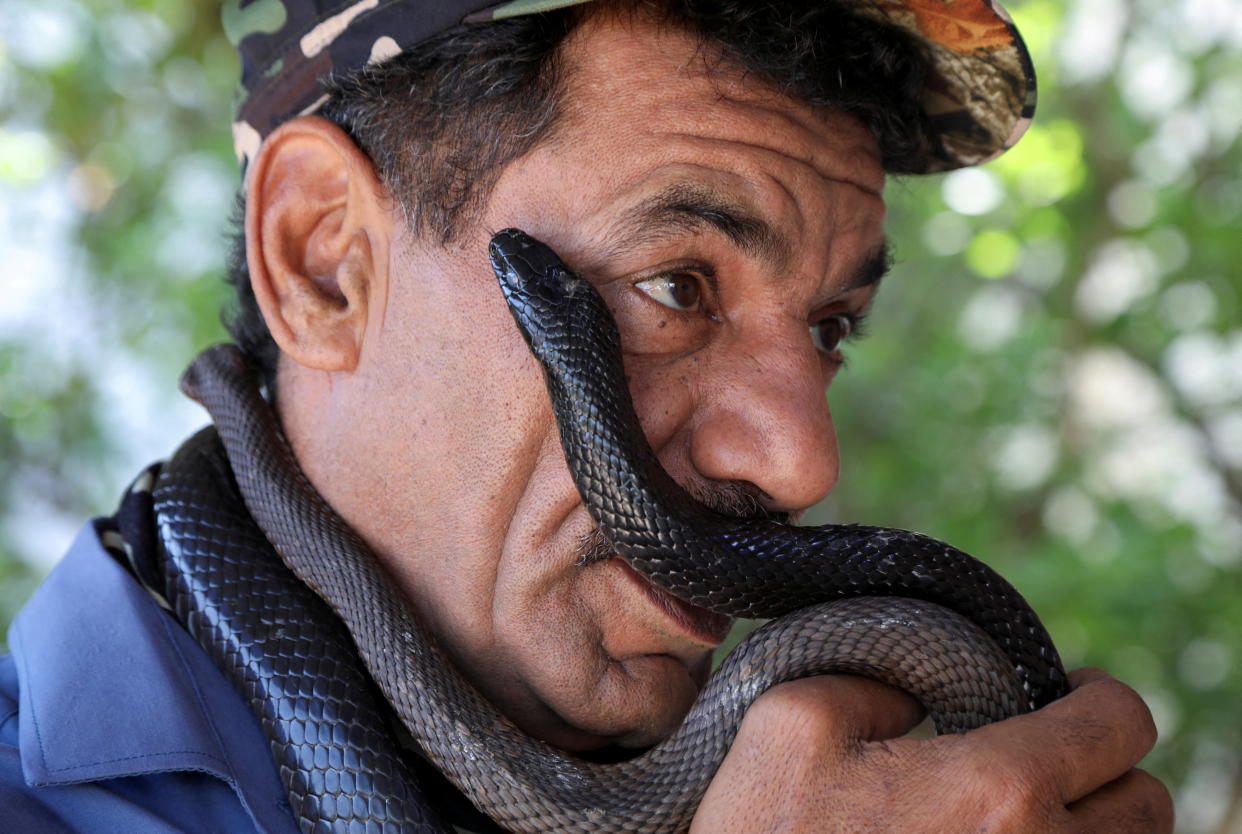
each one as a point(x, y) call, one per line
point(794, 712)
point(1145, 724)
point(1019, 809)
point(1157, 804)
point(1114, 716)
point(1085, 675)
point(1129, 713)
point(1010, 795)
point(998, 774)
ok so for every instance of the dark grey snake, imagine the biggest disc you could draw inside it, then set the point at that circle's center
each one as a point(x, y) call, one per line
point(990, 660)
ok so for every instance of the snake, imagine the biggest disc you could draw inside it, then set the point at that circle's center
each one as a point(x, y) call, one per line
point(893, 605)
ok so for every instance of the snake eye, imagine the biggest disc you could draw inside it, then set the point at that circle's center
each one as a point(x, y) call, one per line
point(679, 290)
point(827, 334)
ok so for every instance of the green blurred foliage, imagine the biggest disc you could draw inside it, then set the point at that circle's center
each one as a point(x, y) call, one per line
point(1054, 381)
point(116, 177)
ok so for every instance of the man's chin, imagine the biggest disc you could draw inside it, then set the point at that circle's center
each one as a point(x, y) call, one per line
point(646, 702)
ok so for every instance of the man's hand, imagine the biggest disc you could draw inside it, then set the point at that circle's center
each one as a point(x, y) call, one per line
point(824, 755)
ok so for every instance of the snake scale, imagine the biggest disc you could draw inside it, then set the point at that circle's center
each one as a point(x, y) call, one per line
point(893, 605)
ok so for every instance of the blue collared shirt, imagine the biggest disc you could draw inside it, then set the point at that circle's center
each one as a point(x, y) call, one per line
point(112, 719)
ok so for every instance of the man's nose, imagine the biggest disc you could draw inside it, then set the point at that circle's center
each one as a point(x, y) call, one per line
point(765, 420)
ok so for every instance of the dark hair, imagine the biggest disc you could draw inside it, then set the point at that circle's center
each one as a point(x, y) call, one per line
point(442, 121)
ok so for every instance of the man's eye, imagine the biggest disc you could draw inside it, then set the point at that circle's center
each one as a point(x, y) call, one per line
point(679, 290)
point(828, 333)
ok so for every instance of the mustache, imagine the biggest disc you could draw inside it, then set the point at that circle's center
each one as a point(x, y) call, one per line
point(740, 500)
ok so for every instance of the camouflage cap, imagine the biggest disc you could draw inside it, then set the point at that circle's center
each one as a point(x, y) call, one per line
point(980, 92)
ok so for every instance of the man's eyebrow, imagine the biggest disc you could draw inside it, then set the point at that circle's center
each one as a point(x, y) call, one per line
point(684, 207)
point(688, 206)
point(872, 270)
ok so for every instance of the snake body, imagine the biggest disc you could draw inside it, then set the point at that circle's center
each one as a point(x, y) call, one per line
point(989, 660)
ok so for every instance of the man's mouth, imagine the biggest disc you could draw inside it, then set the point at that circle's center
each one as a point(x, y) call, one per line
point(703, 625)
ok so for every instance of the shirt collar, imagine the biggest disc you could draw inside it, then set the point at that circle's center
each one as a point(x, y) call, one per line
point(112, 686)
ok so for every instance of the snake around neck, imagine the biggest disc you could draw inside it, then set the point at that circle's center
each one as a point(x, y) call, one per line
point(893, 605)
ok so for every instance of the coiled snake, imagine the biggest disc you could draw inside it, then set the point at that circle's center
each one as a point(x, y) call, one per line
point(989, 660)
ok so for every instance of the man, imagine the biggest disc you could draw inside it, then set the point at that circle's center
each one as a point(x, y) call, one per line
point(717, 173)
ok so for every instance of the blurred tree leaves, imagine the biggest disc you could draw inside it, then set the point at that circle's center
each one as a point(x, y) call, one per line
point(116, 176)
point(1054, 381)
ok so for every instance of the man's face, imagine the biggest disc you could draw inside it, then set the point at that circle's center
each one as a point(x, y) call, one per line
point(732, 232)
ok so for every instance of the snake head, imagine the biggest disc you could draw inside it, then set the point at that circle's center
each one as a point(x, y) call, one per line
point(526, 266)
point(550, 303)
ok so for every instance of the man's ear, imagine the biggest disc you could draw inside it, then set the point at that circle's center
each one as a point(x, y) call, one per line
point(317, 236)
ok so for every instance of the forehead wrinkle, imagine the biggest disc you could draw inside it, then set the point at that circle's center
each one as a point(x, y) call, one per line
point(847, 159)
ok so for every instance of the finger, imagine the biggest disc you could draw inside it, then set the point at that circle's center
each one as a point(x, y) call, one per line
point(838, 709)
point(1137, 803)
point(1085, 675)
point(1094, 734)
